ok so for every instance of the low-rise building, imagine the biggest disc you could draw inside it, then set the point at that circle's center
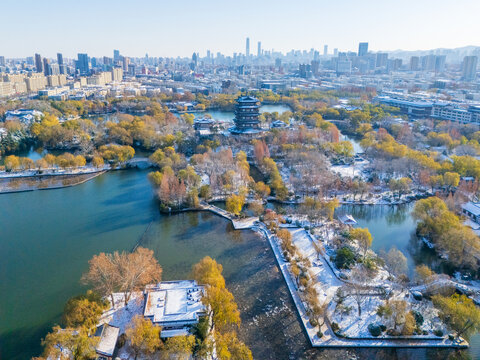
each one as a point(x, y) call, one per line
point(175, 306)
point(108, 339)
point(472, 211)
point(446, 111)
point(26, 116)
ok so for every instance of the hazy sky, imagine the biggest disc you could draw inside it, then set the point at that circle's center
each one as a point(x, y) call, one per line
point(179, 27)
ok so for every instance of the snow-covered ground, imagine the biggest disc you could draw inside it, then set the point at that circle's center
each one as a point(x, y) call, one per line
point(354, 170)
point(351, 324)
point(121, 315)
point(356, 326)
point(52, 172)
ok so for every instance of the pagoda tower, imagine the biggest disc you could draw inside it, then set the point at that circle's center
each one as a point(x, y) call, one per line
point(247, 111)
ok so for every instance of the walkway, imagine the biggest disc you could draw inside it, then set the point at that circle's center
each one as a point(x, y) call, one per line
point(329, 338)
point(238, 224)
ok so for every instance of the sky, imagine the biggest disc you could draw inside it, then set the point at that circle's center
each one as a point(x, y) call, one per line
point(180, 27)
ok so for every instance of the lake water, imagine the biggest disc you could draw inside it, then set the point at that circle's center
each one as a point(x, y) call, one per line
point(229, 116)
point(389, 225)
point(47, 238)
point(355, 143)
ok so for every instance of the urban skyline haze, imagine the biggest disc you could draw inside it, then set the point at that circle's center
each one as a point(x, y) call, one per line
point(171, 29)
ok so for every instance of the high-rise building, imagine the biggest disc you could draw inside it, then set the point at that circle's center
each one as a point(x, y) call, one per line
point(53, 69)
point(61, 66)
point(132, 69)
point(117, 74)
point(343, 66)
point(247, 47)
point(414, 63)
point(469, 68)
point(116, 55)
point(46, 67)
point(325, 50)
point(440, 63)
point(382, 59)
point(335, 52)
point(259, 48)
point(194, 62)
point(125, 63)
point(362, 48)
point(2, 60)
point(428, 62)
point(82, 64)
point(38, 63)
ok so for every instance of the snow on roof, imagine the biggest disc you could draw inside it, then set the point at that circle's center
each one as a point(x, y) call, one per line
point(472, 208)
point(174, 301)
point(175, 332)
point(108, 340)
point(247, 98)
point(473, 225)
point(347, 219)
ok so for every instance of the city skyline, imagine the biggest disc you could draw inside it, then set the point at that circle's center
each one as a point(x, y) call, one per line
point(171, 30)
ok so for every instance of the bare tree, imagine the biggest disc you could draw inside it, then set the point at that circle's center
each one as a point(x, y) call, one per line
point(357, 286)
point(103, 275)
point(137, 269)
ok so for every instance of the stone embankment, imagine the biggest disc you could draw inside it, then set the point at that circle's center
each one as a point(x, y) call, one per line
point(329, 338)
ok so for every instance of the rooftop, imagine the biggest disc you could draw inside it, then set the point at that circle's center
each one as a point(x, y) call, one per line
point(174, 302)
point(472, 208)
point(108, 340)
point(247, 99)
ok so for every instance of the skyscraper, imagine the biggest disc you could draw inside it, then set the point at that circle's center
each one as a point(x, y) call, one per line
point(440, 63)
point(126, 62)
point(259, 48)
point(38, 63)
point(325, 50)
point(362, 48)
point(116, 55)
point(82, 64)
point(469, 68)
point(61, 67)
point(46, 67)
point(414, 63)
point(382, 59)
point(428, 62)
point(247, 47)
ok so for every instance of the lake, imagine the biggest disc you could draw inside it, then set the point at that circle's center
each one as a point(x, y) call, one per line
point(48, 237)
point(229, 116)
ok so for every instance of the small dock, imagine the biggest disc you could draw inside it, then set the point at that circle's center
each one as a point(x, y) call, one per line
point(238, 223)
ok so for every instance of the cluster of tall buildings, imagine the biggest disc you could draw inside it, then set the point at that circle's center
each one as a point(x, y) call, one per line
point(247, 48)
point(82, 66)
point(365, 62)
point(432, 63)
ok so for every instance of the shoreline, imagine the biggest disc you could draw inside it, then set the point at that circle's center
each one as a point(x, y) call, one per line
point(333, 340)
point(53, 187)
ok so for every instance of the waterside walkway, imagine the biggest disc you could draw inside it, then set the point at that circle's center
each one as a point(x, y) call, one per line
point(329, 338)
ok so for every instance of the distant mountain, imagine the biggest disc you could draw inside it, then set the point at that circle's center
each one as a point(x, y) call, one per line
point(453, 55)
